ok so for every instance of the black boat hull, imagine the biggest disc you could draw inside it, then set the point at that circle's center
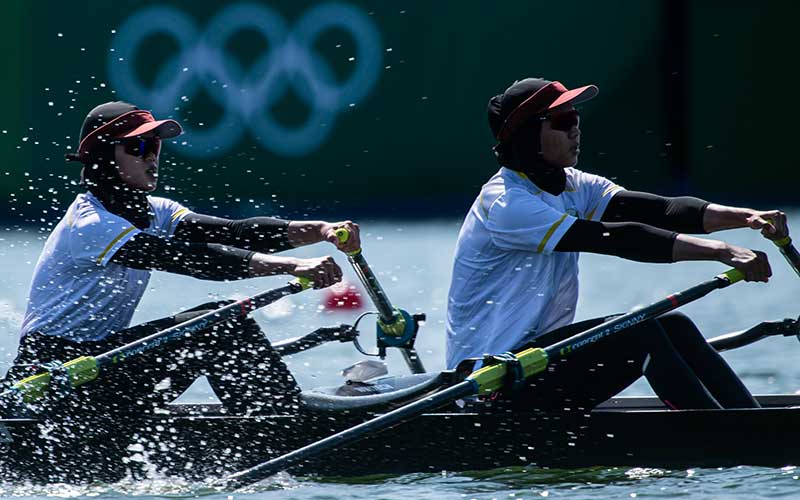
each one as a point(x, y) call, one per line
point(199, 442)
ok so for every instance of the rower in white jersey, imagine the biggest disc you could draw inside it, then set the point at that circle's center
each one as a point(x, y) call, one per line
point(515, 275)
point(96, 264)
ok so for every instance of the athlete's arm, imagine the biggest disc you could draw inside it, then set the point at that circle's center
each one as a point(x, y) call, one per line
point(772, 223)
point(643, 243)
point(213, 261)
point(686, 214)
point(629, 240)
point(683, 214)
point(264, 234)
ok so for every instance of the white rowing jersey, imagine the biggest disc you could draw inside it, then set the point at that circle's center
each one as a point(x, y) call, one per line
point(76, 291)
point(508, 285)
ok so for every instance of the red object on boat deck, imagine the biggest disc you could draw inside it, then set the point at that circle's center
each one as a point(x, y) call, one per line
point(343, 295)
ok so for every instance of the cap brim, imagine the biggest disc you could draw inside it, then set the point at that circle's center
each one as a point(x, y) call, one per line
point(575, 96)
point(164, 129)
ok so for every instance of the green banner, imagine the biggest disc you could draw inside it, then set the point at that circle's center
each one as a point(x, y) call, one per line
point(323, 107)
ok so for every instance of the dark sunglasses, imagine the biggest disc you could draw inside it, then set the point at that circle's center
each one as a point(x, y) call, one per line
point(563, 121)
point(141, 147)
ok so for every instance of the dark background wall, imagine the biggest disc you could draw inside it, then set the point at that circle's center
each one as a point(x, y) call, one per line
point(695, 97)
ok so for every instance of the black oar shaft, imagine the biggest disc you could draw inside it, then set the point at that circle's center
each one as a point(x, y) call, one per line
point(486, 379)
point(338, 440)
point(373, 286)
point(789, 253)
point(386, 310)
point(588, 337)
point(86, 368)
point(234, 310)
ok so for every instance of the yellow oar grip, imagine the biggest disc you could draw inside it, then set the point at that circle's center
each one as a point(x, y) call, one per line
point(79, 370)
point(783, 242)
point(732, 275)
point(305, 283)
point(343, 234)
point(492, 378)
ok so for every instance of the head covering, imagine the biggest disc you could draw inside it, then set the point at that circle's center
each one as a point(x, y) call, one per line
point(528, 98)
point(511, 113)
point(104, 125)
point(119, 120)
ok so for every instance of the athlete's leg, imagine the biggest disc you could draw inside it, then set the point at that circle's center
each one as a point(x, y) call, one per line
point(670, 377)
point(712, 370)
point(247, 373)
point(589, 377)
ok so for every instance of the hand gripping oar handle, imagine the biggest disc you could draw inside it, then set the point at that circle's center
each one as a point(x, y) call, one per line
point(485, 380)
point(368, 279)
point(789, 252)
point(87, 368)
point(393, 322)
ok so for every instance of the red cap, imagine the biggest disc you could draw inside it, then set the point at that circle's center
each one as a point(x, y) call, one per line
point(530, 97)
point(118, 120)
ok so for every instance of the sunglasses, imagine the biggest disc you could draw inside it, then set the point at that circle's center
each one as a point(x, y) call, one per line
point(141, 147)
point(563, 121)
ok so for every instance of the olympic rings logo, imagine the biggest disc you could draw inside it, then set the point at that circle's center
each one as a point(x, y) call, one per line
point(246, 95)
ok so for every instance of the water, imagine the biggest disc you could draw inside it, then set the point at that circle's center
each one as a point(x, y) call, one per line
point(413, 262)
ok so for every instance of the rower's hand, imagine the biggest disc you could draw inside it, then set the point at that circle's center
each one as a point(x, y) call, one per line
point(352, 244)
point(322, 271)
point(752, 263)
point(772, 224)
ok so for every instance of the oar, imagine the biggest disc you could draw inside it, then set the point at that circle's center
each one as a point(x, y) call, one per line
point(789, 252)
point(483, 381)
point(393, 322)
point(87, 368)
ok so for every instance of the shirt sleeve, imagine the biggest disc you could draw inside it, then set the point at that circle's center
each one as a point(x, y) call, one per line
point(519, 220)
point(594, 193)
point(96, 236)
point(168, 213)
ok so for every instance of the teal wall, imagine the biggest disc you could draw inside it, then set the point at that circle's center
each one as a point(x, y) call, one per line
point(411, 139)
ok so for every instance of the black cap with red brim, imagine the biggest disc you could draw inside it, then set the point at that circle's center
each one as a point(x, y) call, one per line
point(528, 98)
point(121, 120)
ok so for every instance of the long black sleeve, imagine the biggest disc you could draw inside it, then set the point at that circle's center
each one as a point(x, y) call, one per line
point(259, 234)
point(208, 261)
point(683, 214)
point(629, 240)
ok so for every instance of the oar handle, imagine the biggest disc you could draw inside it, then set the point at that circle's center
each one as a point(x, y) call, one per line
point(396, 327)
point(789, 252)
point(368, 279)
point(343, 234)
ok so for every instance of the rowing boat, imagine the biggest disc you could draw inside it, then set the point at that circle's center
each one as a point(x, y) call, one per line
point(201, 441)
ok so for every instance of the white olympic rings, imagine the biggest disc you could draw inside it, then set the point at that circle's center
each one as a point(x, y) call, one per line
point(246, 95)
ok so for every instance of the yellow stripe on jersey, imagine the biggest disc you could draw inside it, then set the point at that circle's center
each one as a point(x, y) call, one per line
point(175, 217)
point(114, 242)
point(525, 176)
point(549, 233)
point(483, 209)
point(178, 214)
point(610, 189)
